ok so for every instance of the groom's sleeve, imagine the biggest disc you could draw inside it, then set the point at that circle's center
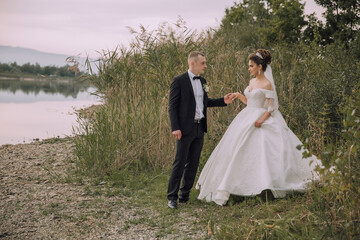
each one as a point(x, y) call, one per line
point(217, 102)
point(174, 100)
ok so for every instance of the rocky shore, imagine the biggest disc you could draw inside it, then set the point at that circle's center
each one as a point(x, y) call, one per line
point(39, 199)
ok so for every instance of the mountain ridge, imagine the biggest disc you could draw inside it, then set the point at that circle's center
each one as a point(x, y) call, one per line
point(21, 55)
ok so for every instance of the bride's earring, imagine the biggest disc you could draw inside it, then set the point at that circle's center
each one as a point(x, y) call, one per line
point(259, 71)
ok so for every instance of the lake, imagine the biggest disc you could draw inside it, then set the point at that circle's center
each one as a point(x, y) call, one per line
point(34, 109)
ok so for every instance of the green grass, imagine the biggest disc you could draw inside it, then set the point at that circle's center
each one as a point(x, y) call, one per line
point(241, 218)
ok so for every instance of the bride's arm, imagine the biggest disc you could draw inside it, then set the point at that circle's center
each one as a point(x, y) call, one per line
point(266, 115)
point(262, 119)
point(241, 97)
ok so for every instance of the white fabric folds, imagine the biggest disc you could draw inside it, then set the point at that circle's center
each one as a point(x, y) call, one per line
point(248, 160)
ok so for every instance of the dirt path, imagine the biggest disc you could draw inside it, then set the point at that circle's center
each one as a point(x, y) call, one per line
point(38, 200)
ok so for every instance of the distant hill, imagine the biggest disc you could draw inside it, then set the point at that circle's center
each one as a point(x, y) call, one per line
point(24, 55)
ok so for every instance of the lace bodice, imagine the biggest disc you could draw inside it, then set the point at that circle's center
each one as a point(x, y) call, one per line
point(260, 98)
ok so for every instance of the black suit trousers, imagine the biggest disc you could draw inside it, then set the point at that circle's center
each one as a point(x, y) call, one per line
point(188, 150)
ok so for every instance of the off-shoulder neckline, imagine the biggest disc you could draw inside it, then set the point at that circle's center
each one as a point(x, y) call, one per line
point(256, 89)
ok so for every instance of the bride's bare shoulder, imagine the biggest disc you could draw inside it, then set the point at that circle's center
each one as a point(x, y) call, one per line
point(267, 85)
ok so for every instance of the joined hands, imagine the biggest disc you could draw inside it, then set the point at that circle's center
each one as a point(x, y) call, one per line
point(230, 97)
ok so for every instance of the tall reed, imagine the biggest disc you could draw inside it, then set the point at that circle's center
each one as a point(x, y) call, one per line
point(314, 85)
point(132, 128)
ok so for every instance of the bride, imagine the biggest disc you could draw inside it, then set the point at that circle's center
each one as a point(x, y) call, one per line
point(258, 151)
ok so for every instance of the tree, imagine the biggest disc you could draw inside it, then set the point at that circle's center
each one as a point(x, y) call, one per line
point(37, 69)
point(4, 67)
point(27, 68)
point(15, 68)
point(65, 72)
point(313, 29)
point(49, 70)
point(244, 20)
point(271, 20)
point(250, 11)
point(286, 21)
point(342, 19)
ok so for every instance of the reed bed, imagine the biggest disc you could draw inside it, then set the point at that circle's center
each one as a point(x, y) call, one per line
point(133, 126)
point(314, 85)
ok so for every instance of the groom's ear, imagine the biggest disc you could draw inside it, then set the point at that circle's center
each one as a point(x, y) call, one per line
point(192, 62)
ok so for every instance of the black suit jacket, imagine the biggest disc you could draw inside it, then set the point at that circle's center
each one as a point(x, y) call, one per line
point(182, 104)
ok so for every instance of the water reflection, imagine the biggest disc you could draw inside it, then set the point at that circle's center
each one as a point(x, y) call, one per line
point(66, 87)
point(40, 109)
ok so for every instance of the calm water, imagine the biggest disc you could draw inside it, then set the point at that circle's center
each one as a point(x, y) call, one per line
point(40, 109)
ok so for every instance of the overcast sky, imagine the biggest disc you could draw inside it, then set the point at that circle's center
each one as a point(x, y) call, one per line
point(85, 26)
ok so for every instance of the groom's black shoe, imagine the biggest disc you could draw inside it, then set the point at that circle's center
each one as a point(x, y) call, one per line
point(183, 200)
point(172, 204)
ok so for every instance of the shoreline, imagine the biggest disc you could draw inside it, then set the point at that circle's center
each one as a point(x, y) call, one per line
point(40, 197)
point(40, 141)
point(84, 111)
point(36, 78)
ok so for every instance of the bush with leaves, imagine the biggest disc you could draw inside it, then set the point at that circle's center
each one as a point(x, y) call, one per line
point(337, 202)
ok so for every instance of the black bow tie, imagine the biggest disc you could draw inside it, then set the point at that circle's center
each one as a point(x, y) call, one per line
point(196, 77)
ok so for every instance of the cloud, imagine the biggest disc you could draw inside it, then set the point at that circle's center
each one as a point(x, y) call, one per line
point(78, 26)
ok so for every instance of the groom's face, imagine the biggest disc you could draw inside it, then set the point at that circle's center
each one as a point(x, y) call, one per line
point(199, 65)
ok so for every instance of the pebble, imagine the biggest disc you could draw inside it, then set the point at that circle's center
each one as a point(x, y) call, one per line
point(33, 195)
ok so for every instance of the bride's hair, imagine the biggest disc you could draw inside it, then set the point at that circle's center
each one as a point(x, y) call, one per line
point(261, 56)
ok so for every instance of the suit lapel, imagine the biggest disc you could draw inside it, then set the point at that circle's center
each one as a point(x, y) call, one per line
point(188, 83)
point(205, 94)
point(202, 84)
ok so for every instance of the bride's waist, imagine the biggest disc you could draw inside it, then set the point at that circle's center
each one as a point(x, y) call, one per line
point(255, 105)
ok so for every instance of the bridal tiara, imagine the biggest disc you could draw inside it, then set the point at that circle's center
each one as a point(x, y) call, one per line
point(259, 55)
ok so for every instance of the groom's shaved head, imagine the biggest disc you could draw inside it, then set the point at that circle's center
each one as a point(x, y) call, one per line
point(194, 56)
point(197, 62)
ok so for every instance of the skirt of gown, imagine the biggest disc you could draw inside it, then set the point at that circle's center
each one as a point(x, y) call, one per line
point(248, 160)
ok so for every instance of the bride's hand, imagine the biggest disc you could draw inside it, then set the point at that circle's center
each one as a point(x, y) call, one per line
point(228, 98)
point(258, 124)
point(235, 95)
point(240, 96)
point(262, 119)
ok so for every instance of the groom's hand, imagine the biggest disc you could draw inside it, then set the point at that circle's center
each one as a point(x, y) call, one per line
point(177, 134)
point(228, 98)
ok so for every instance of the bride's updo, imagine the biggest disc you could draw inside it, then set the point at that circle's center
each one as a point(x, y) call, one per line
point(261, 56)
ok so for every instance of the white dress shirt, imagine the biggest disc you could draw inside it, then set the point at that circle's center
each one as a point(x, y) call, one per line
point(199, 96)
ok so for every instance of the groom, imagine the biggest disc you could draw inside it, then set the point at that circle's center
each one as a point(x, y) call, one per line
point(187, 108)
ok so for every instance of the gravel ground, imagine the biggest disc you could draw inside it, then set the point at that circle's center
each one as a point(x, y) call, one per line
point(39, 200)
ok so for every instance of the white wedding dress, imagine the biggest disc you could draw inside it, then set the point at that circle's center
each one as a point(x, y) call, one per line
point(248, 160)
